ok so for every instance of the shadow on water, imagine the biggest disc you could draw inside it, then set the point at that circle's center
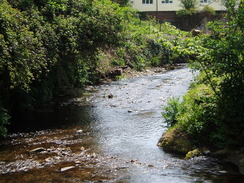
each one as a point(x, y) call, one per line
point(107, 139)
point(66, 112)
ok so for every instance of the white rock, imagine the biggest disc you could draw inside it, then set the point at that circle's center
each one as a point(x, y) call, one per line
point(66, 168)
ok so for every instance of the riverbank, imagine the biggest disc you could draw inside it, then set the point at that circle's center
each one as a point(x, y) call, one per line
point(125, 72)
point(120, 73)
point(177, 141)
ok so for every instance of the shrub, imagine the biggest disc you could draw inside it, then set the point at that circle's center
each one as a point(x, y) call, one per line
point(198, 113)
point(208, 11)
point(189, 8)
point(171, 111)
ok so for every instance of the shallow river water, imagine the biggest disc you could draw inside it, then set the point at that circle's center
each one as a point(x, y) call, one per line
point(109, 136)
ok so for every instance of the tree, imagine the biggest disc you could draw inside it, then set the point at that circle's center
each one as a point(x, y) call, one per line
point(223, 59)
point(189, 4)
point(189, 8)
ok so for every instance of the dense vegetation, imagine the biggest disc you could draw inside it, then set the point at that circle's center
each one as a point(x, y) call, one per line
point(50, 46)
point(212, 112)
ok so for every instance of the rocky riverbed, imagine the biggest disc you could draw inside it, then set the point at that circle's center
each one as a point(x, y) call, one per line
point(56, 155)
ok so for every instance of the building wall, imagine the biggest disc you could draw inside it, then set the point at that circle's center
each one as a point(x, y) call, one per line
point(168, 16)
point(197, 20)
point(157, 5)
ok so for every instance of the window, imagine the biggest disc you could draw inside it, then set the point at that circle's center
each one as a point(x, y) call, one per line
point(167, 1)
point(147, 1)
point(205, 1)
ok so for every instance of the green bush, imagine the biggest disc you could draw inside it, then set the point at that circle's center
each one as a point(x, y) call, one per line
point(208, 11)
point(188, 4)
point(203, 117)
point(212, 111)
point(189, 8)
point(22, 54)
point(224, 59)
point(199, 112)
point(171, 111)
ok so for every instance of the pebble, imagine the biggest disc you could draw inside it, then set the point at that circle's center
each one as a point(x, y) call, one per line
point(49, 159)
point(67, 168)
point(79, 131)
point(222, 171)
point(77, 162)
point(56, 157)
point(38, 149)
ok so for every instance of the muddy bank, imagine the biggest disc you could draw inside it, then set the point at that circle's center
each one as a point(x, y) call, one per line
point(125, 72)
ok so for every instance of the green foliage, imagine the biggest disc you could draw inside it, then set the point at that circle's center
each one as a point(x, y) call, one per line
point(157, 45)
point(212, 112)
point(208, 10)
point(180, 49)
point(185, 13)
point(198, 113)
point(22, 55)
point(188, 4)
point(225, 50)
point(225, 60)
point(171, 110)
point(50, 46)
point(189, 8)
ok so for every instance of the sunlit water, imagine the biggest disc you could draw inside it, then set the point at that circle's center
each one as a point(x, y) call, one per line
point(130, 124)
point(127, 126)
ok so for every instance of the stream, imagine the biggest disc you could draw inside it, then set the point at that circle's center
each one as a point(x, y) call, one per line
point(110, 135)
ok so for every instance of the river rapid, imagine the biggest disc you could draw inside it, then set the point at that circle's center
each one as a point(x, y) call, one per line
point(110, 135)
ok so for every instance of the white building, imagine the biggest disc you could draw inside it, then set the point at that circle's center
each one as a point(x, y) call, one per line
point(166, 10)
point(172, 5)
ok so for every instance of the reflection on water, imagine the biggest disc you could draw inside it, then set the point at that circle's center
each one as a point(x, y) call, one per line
point(125, 128)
